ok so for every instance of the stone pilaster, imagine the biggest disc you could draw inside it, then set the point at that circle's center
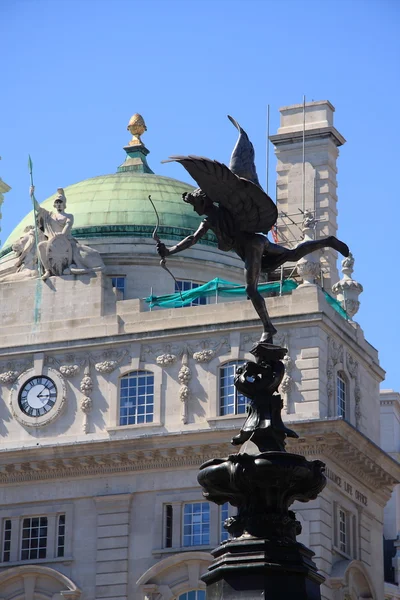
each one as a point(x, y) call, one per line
point(318, 194)
point(113, 513)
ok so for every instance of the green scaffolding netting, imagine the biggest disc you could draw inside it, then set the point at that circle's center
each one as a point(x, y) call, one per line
point(219, 287)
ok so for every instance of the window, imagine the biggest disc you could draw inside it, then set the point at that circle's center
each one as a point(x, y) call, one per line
point(119, 284)
point(196, 524)
point(136, 398)
point(193, 595)
point(341, 395)
point(231, 402)
point(183, 285)
point(34, 538)
point(224, 513)
point(6, 540)
point(343, 533)
point(168, 525)
point(61, 536)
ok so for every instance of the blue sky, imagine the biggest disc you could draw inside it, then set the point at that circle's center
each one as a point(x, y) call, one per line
point(74, 71)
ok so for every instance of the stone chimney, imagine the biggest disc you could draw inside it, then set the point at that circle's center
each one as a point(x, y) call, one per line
point(310, 188)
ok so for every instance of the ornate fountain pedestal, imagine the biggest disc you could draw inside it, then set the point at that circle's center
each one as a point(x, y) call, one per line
point(262, 559)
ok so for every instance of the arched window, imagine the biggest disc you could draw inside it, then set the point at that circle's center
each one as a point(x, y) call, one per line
point(136, 398)
point(231, 402)
point(341, 395)
point(193, 595)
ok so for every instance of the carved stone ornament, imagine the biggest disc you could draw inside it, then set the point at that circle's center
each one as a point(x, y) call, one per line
point(205, 350)
point(86, 387)
point(69, 370)
point(54, 412)
point(10, 370)
point(166, 360)
point(204, 356)
point(165, 355)
point(109, 360)
point(25, 250)
point(287, 381)
point(8, 376)
point(347, 290)
point(184, 377)
point(352, 367)
point(202, 351)
point(308, 268)
point(68, 365)
point(335, 356)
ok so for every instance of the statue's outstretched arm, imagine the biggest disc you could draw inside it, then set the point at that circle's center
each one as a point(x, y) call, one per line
point(187, 242)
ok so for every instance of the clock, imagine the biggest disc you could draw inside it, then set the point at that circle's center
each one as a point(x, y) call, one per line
point(37, 396)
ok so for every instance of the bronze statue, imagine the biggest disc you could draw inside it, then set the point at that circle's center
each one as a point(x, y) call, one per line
point(241, 214)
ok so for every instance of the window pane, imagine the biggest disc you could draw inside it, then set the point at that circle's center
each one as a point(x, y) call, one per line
point(231, 402)
point(119, 284)
point(185, 285)
point(34, 538)
point(6, 540)
point(342, 531)
point(196, 528)
point(61, 536)
point(136, 398)
point(341, 396)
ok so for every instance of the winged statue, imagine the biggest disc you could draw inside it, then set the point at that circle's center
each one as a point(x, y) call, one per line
point(241, 214)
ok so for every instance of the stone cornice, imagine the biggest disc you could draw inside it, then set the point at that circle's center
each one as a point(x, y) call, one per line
point(293, 137)
point(332, 438)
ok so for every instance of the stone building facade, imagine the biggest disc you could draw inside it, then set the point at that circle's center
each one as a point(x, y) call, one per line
point(108, 408)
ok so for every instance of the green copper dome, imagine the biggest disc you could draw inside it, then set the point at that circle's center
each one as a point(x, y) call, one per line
point(118, 205)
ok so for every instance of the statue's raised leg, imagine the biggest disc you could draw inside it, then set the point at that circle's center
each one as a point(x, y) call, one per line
point(313, 245)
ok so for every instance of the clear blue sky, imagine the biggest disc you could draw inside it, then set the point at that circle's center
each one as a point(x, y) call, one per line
point(74, 71)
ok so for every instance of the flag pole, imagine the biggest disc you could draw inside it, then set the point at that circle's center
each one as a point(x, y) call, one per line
point(30, 165)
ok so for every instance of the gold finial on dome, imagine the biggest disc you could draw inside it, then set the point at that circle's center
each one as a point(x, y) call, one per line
point(137, 127)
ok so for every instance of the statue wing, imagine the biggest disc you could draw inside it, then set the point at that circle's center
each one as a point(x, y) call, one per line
point(242, 159)
point(251, 208)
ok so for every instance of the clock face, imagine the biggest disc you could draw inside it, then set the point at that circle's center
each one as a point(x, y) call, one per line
point(37, 396)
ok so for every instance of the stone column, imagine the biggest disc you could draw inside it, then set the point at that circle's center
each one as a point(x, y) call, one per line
point(319, 175)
